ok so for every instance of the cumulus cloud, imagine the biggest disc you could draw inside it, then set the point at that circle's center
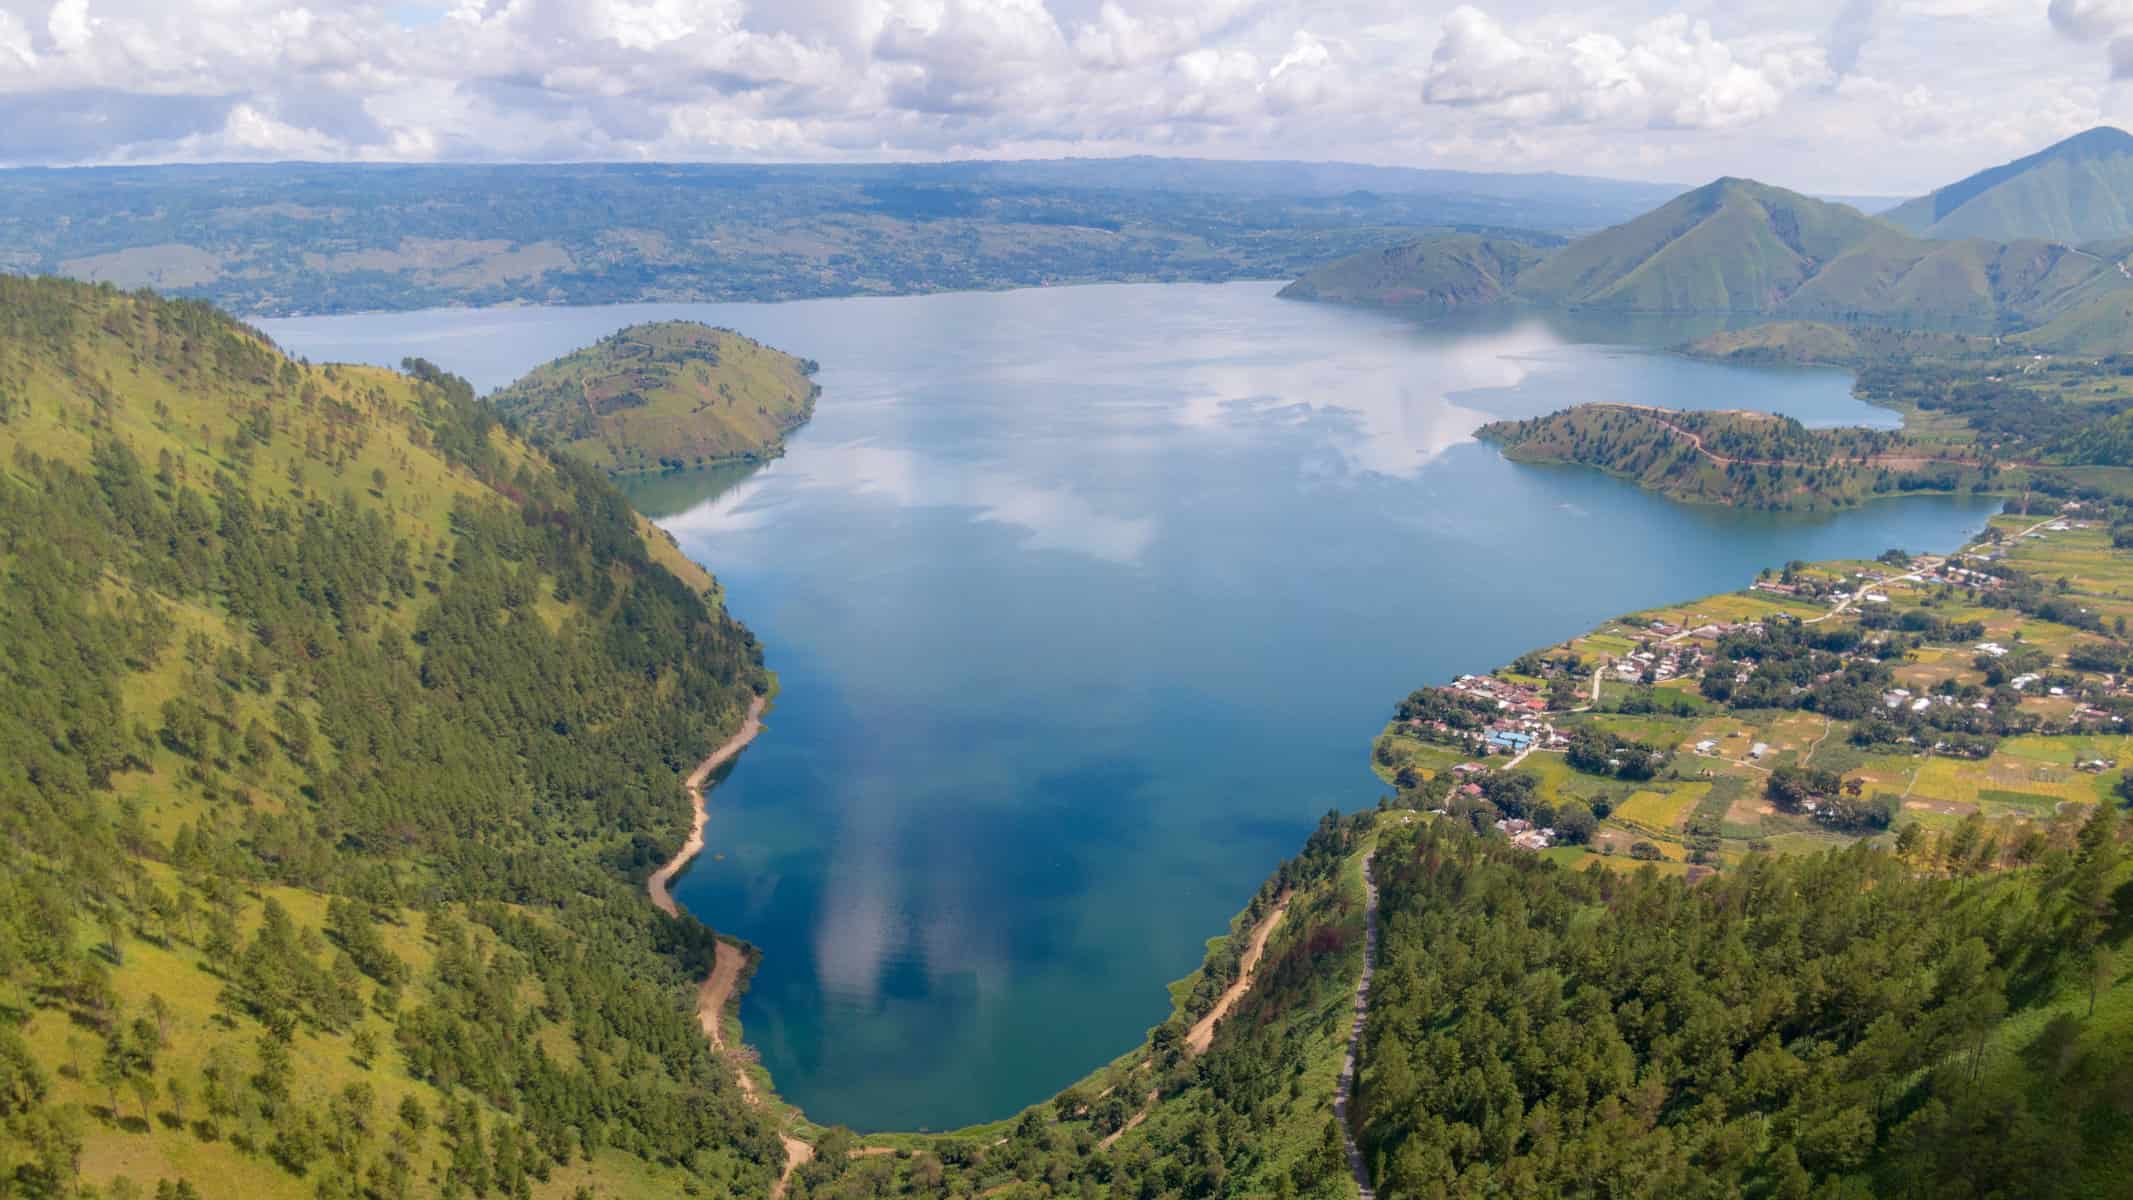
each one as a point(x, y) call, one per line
point(1638, 86)
point(2105, 22)
point(1669, 73)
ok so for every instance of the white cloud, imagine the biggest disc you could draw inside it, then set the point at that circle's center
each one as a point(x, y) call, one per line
point(1682, 89)
point(1671, 73)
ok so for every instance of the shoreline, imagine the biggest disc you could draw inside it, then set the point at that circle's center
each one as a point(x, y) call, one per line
point(728, 962)
point(656, 885)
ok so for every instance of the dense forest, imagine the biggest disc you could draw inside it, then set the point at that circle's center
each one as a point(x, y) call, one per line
point(340, 730)
point(1855, 1023)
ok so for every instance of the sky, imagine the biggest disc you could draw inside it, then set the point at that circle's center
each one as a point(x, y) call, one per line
point(1868, 97)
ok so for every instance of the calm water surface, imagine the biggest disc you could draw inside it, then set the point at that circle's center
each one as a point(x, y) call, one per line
point(1086, 603)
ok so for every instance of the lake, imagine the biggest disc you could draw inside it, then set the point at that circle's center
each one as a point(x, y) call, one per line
point(1087, 602)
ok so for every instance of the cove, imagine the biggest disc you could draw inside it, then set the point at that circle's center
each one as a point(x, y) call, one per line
point(1086, 602)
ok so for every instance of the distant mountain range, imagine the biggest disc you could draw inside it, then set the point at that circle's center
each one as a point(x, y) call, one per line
point(1740, 247)
point(2080, 190)
point(277, 239)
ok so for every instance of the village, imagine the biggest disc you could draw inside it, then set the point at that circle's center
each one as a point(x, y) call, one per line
point(1930, 690)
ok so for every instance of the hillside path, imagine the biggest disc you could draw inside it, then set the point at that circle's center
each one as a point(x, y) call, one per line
point(1202, 1034)
point(1346, 1090)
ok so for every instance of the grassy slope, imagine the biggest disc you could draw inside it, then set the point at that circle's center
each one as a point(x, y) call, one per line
point(338, 434)
point(666, 394)
point(2079, 190)
point(1730, 246)
point(1443, 273)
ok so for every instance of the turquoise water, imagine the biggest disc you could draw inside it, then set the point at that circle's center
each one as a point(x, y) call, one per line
point(1086, 603)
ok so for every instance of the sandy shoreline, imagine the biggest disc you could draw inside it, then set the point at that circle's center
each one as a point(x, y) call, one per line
point(694, 785)
point(728, 962)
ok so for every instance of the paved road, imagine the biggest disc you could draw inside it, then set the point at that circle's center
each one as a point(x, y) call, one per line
point(1355, 1035)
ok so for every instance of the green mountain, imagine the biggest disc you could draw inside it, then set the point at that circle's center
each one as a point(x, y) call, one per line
point(1740, 247)
point(339, 729)
point(665, 395)
point(1455, 271)
point(1729, 246)
point(2080, 190)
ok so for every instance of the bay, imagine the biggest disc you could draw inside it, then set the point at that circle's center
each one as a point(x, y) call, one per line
point(1086, 602)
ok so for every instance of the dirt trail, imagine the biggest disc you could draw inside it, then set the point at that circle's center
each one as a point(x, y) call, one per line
point(728, 961)
point(1202, 1034)
point(694, 785)
point(1893, 461)
point(797, 1154)
point(1345, 1092)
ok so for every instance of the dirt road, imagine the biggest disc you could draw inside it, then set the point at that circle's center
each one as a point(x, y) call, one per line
point(1346, 1089)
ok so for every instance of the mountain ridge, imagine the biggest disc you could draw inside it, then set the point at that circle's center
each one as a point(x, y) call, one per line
point(2076, 190)
point(1740, 247)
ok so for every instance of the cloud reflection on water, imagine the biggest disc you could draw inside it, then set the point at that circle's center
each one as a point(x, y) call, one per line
point(1050, 517)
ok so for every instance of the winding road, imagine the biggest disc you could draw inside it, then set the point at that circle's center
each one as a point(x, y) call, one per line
point(1346, 1089)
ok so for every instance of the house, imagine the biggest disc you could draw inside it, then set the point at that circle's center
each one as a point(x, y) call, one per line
point(1758, 750)
point(1510, 739)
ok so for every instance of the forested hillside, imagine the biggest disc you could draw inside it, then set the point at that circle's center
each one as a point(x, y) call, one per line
point(664, 396)
point(1854, 1023)
point(1742, 459)
point(340, 730)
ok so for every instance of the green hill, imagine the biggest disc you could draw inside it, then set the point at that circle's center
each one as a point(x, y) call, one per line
point(1743, 459)
point(2080, 190)
point(1730, 246)
point(665, 395)
point(1440, 274)
point(340, 728)
point(1740, 247)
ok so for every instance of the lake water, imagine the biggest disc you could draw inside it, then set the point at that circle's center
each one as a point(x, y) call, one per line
point(1086, 603)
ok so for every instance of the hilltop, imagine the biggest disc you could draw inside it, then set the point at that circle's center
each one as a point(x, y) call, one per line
point(664, 396)
point(2077, 191)
point(341, 728)
point(1738, 247)
point(1439, 274)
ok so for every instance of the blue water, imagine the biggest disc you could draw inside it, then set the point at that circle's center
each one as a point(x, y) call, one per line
point(1086, 603)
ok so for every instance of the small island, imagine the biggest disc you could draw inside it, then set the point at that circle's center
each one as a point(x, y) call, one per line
point(1741, 459)
point(665, 396)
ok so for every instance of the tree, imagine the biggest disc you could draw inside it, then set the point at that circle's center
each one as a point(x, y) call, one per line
point(1574, 822)
point(2088, 906)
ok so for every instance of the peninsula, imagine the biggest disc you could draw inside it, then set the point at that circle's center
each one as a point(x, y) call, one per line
point(665, 396)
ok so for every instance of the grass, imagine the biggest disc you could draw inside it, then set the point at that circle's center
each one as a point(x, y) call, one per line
point(1662, 809)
